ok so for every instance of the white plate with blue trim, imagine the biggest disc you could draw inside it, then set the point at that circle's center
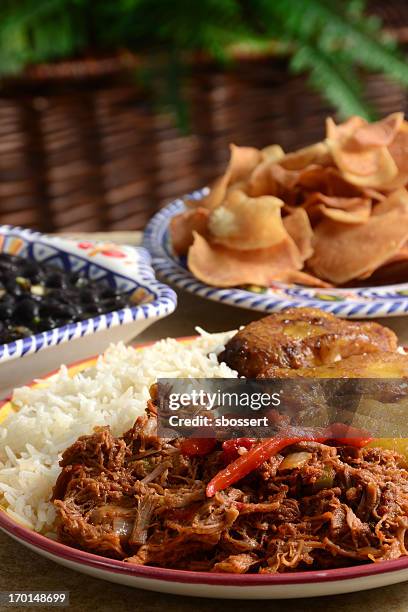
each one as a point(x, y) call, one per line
point(353, 303)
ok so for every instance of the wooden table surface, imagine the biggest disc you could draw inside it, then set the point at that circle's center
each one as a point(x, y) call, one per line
point(21, 569)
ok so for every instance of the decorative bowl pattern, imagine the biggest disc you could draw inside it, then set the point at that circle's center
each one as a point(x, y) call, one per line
point(122, 267)
point(356, 302)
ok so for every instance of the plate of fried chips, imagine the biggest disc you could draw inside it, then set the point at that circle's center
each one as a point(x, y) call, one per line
point(324, 226)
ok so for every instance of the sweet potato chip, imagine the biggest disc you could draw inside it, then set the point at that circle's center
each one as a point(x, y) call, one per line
point(327, 181)
point(318, 153)
point(318, 205)
point(337, 185)
point(182, 227)
point(242, 161)
point(222, 267)
point(370, 168)
point(299, 229)
point(247, 223)
point(344, 130)
point(269, 178)
point(397, 200)
point(272, 153)
point(378, 134)
point(343, 252)
point(303, 278)
point(373, 194)
point(402, 255)
point(394, 270)
point(360, 215)
point(312, 178)
point(273, 179)
point(344, 201)
point(343, 210)
point(371, 154)
point(399, 152)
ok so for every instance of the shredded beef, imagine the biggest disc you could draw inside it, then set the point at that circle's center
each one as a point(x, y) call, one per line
point(137, 498)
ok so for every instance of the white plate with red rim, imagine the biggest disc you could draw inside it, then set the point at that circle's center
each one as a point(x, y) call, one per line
point(203, 584)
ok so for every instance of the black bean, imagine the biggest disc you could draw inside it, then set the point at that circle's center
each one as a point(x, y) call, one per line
point(58, 310)
point(36, 296)
point(86, 315)
point(7, 267)
point(108, 292)
point(95, 309)
point(15, 332)
point(6, 310)
point(8, 299)
point(89, 296)
point(73, 277)
point(63, 296)
point(56, 280)
point(118, 302)
point(82, 282)
point(46, 323)
point(23, 330)
point(26, 311)
point(32, 270)
point(14, 287)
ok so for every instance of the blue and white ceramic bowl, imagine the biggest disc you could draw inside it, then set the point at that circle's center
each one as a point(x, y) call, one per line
point(123, 267)
point(359, 302)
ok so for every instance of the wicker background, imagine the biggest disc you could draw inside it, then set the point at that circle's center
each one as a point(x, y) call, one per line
point(82, 148)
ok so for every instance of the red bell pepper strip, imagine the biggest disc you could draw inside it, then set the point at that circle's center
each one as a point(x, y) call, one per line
point(231, 447)
point(255, 457)
point(192, 447)
point(348, 435)
point(247, 463)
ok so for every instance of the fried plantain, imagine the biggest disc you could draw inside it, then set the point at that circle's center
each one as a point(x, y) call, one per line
point(371, 365)
point(302, 338)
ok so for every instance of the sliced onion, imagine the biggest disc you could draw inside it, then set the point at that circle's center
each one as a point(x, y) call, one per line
point(150, 429)
point(145, 508)
point(294, 460)
point(157, 471)
point(325, 481)
point(122, 526)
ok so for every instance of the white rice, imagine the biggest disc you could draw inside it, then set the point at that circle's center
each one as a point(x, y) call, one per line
point(113, 392)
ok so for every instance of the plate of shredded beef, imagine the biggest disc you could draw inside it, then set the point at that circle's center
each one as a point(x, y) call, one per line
point(282, 517)
point(146, 501)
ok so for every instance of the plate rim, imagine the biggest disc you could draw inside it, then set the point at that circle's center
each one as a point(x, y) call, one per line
point(68, 553)
point(169, 270)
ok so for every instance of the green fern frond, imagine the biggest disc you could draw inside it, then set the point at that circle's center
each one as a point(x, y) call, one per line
point(334, 80)
point(326, 23)
point(34, 31)
point(363, 41)
point(327, 39)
